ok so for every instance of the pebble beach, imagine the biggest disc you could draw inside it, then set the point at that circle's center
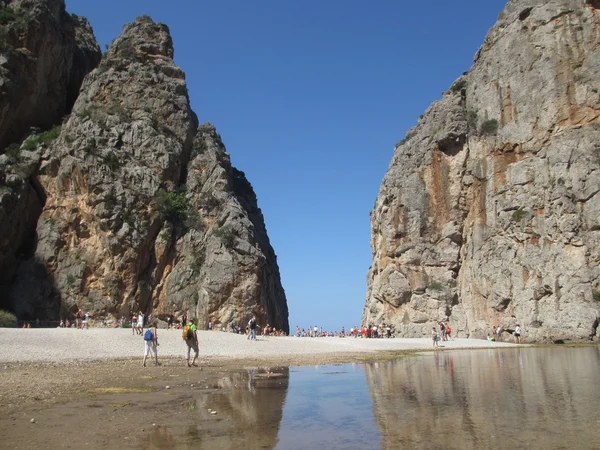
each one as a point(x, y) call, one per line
point(64, 345)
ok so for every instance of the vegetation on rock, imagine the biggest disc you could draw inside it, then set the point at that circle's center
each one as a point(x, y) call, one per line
point(7, 319)
point(518, 215)
point(172, 206)
point(458, 86)
point(41, 139)
point(226, 234)
point(489, 128)
point(435, 286)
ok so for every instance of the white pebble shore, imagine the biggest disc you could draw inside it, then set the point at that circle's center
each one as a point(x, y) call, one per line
point(70, 345)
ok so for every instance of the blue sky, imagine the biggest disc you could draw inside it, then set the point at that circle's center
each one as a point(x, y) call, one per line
point(310, 98)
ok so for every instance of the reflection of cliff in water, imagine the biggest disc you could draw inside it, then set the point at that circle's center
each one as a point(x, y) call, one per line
point(252, 402)
point(248, 406)
point(488, 399)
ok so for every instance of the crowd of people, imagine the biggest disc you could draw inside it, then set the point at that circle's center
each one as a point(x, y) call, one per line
point(444, 333)
point(497, 333)
point(370, 332)
point(80, 321)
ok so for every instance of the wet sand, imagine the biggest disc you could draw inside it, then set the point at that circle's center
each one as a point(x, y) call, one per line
point(87, 387)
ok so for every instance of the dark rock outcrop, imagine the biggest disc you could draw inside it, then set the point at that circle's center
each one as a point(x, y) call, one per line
point(488, 214)
point(44, 55)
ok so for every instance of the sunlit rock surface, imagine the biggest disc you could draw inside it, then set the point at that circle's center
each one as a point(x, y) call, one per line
point(142, 209)
point(489, 212)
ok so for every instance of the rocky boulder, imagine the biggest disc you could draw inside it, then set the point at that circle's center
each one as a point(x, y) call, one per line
point(488, 214)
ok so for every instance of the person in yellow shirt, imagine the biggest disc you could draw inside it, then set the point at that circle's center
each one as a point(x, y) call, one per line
point(191, 340)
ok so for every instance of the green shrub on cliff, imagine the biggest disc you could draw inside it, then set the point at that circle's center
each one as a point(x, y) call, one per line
point(435, 286)
point(489, 128)
point(226, 234)
point(12, 151)
point(41, 139)
point(518, 214)
point(7, 320)
point(172, 206)
point(7, 15)
point(458, 86)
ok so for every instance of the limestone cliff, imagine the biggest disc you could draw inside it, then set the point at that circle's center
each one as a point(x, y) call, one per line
point(44, 55)
point(143, 210)
point(488, 214)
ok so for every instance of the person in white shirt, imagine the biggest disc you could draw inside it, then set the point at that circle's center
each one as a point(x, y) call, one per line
point(140, 323)
point(517, 334)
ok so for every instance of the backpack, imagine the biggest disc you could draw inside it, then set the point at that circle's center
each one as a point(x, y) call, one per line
point(148, 335)
point(187, 333)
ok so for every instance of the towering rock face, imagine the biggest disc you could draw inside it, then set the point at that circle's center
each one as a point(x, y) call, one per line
point(488, 214)
point(143, 209)
point(44, 55)
point(223, 267)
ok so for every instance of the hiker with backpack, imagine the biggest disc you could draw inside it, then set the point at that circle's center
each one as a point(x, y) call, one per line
point(191, 339)
point(151, 342)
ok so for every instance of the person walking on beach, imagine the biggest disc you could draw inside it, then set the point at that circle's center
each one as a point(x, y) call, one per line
point(190, 337)
point(448, 331)
point(150, 344)
point(79, 319)
point(252, 325)
point(133, 324)
point(140, 323)
point(517, 334)
point(435, 337)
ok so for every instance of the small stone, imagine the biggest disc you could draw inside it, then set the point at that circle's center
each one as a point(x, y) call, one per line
point(153, 424)
point(32, 420)
point(213, 412)
point(168, 387)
